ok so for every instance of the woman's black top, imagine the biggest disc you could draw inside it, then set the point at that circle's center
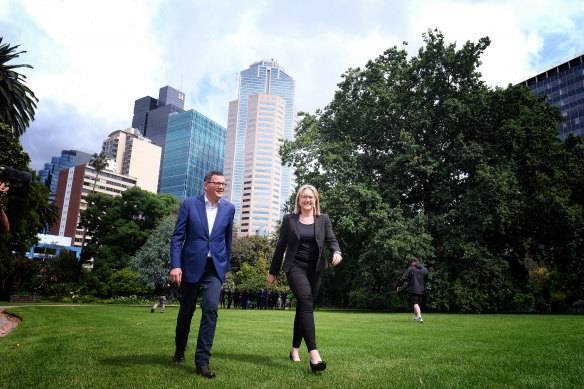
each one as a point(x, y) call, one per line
point(307, 253)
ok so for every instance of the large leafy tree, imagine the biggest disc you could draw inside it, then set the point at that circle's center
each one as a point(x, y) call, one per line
point(17, 101)
point(418, 157)
point(120, 225)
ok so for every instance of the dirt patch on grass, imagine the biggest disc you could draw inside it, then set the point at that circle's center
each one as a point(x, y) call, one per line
point(7, 322)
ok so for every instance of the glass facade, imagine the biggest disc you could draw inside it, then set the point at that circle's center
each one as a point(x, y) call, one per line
point(49, 175)
point(564, 87)
point(194, 145)
point(141, 109)
point(245, 153)
point(151, 116)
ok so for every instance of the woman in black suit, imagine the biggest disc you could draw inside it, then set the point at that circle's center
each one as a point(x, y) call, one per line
point(303, 236)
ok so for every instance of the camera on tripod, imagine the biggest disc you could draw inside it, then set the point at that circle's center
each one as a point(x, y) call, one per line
point(18, 180)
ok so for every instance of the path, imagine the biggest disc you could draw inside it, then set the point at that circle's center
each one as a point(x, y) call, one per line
point(7, 322)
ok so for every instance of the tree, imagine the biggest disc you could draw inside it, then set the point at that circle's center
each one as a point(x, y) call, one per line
point(54, 275)
point(253, 277)
point(120, 225)
point(98, 162)
point(247, 249)
point(28, 209)
point(17, 101)
point(153, 258)
point(124, 282)
point(418, 157)
point(97, 283)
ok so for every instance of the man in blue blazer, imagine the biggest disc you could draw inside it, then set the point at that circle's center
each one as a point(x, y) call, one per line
point(200, 250)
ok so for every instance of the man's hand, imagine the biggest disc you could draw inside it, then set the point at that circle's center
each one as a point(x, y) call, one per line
point(176, 275)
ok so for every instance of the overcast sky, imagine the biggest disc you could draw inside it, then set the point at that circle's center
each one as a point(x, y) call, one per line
point(92, 59)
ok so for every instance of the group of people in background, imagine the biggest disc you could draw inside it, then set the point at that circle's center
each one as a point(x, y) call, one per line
point(200, 252)
point(248, 299)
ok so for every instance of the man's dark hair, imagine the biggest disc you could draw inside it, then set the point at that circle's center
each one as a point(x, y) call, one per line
point(210, 174)
point(416, 260)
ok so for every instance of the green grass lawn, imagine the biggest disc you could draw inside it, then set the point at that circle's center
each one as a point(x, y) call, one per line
point(113, 346)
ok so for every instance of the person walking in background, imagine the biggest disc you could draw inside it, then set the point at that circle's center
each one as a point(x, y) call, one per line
point(303, 236)
point(161, 290)
point(200, 251)
point(416, 276)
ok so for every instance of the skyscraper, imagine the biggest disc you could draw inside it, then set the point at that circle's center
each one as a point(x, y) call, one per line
point(195, 145)
point(564, 87)
point(263, 114)
point(73, 185)
point(135, 156)
point(49, 175)
point(151, 115)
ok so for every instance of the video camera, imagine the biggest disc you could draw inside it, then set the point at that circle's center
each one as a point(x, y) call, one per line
point(18, 180)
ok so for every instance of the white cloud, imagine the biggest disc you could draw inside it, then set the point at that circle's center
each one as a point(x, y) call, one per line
point(99, 53)
point(93, 59)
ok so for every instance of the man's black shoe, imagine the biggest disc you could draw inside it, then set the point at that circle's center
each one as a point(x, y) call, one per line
point(205, 372)
point(178, 358)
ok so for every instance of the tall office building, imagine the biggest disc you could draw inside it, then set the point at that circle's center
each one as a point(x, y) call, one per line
point(151, 115)
point(564, 87)
point(49, 175)
point(135, 156)
point(195, 145)
point(74, 184)
point(263, 114)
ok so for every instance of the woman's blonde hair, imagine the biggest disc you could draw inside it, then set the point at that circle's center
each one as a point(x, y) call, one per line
point(315, 207)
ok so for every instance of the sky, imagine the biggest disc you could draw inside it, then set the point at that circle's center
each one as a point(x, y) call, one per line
point(92, 59)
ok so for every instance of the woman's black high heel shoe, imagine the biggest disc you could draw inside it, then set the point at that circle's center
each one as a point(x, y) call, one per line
point(292, 359)
point(320, 366)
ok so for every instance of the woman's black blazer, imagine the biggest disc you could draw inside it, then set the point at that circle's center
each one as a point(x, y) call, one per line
point(290, 239)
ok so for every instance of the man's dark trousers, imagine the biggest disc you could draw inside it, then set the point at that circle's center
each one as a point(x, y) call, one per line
point(210, 287)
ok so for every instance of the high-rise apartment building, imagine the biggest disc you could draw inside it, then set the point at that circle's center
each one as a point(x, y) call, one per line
point(564, 87)
point(151, 115)
point(195, 145)
point(50, 174)
point(263, 115)
point(74, 184)
point(135, 156)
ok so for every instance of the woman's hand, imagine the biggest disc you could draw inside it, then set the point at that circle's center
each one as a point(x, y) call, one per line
point(271, 278)
point(337, 259)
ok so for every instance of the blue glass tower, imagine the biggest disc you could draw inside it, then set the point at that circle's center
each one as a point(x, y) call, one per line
point(564, 87)
point(195, 145)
